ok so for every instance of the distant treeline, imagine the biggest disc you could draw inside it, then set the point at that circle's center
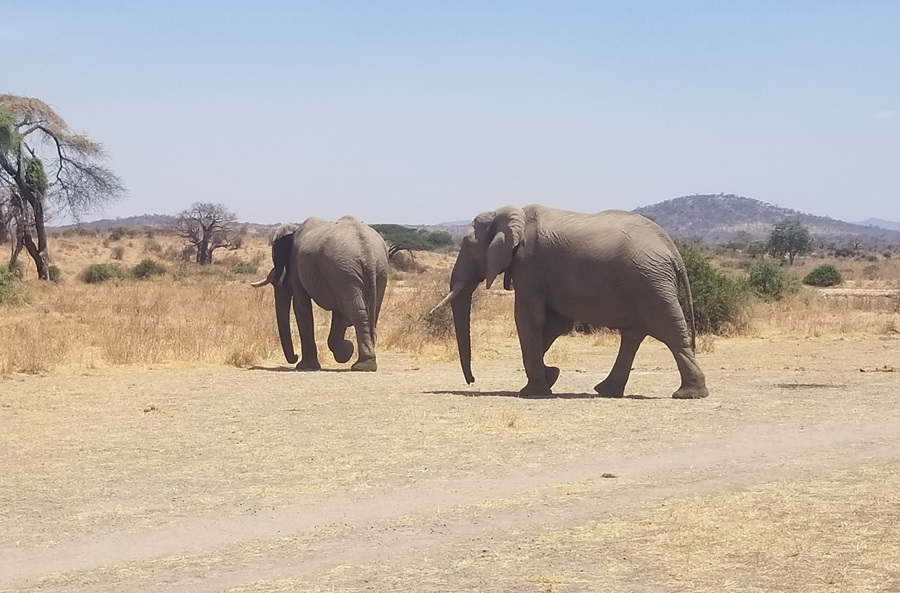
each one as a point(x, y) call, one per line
point(411, 238)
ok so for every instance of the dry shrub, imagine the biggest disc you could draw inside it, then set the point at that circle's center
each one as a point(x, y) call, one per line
point(151, 245)
point(229, 260)
point(706, 343)
point(407, 326)
point(34, 346)
point(242, 358)
point(810, 314)
point(154, 321)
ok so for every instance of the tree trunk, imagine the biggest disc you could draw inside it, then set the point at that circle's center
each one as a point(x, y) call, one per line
point(203, 254)
point(37, 252)
point(4, 230)
point(14, 253)
point(39, 262)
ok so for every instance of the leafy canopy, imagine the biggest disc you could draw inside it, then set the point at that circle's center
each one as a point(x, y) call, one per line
point(789, 238)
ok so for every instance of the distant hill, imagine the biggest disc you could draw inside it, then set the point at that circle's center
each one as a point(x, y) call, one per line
point(881, 223)
point(725, 217)
point(154, 221)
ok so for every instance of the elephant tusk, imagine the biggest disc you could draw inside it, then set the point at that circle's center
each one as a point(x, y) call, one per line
point(457, 288)
point(260, 283)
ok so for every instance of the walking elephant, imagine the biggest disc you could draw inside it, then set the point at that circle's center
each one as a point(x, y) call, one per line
point(343, 267)
point(613, 269)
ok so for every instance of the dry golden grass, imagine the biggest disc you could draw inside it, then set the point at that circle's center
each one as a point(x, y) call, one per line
point(211, 315)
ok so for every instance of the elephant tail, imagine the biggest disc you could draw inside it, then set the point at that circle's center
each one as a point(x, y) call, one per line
point(370, 292)
point(681, 274)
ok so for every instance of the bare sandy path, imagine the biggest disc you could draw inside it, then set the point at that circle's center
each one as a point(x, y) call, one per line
point(506, 468)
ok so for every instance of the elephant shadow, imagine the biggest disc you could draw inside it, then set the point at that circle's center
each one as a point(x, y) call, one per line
point(290, 369)
point(465, 393)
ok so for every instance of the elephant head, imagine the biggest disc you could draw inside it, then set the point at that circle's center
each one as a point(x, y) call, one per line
point(486, 252)
point(280, 278)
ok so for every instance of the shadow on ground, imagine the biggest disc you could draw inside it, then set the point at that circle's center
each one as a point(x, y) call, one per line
point(284, 369)
point(465, 393)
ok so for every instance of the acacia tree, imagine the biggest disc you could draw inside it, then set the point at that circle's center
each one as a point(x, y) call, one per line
point(42, 162)
point(207, 227)
point(789, 238)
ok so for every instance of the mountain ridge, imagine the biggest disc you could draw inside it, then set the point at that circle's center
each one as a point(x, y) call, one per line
point(720, 218)
point(710, 218)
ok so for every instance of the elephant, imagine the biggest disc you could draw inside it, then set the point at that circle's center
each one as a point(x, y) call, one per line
point(343, 267)
point(613, 269)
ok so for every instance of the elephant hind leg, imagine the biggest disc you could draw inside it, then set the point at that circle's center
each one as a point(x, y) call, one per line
point(365, 339)
point(337, 343)
point(693, 382)
point(614, 384)
point(672, 330)
point(555, 325)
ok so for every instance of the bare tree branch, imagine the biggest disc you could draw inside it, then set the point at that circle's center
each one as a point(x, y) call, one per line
point(208, 226)
point(80, 183)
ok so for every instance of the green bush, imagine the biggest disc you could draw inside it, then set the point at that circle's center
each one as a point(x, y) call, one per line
point(721, 303)
point(824, 275)
point(11, 292)
point(95, 273)
point(148, 268)
point(53, 272)
point(245, 267)
point(768, 280)
point(412, 238)
point(870, 272)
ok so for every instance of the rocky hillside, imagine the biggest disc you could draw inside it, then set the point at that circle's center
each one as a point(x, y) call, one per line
point(725, 217)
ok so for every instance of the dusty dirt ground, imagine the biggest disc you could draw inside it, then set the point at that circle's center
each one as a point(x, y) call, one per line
point(205, 478)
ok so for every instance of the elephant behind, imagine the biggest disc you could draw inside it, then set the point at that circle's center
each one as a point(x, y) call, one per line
point(613, 269)
point(342, 266)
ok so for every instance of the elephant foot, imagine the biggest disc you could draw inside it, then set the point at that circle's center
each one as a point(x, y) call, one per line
point(342, 351)
point(535, 389)
point(365, 366)
point(691, 392)
point(551, 374)
point(307, 365)
point(606, 389)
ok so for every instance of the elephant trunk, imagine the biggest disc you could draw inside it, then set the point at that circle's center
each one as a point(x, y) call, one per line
point(462, 311)
point(283, 296)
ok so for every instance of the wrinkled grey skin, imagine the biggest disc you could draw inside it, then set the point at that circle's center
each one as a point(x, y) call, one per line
point(343, 267)
point(613, 269)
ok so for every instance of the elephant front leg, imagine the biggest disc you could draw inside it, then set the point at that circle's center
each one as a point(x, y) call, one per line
point(337, 343)
point(530, 318)
point(309, 353)
point(614, 384)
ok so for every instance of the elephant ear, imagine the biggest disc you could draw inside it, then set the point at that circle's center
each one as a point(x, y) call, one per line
point(281, 258)
point(508, 230)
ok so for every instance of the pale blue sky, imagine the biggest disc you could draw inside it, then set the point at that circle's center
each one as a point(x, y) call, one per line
point(421, 112)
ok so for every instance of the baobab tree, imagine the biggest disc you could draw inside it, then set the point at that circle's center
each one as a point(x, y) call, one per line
point(208, 226)
point(43, 162)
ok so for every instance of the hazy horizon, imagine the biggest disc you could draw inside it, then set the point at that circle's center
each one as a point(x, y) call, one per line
point(420, 113)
